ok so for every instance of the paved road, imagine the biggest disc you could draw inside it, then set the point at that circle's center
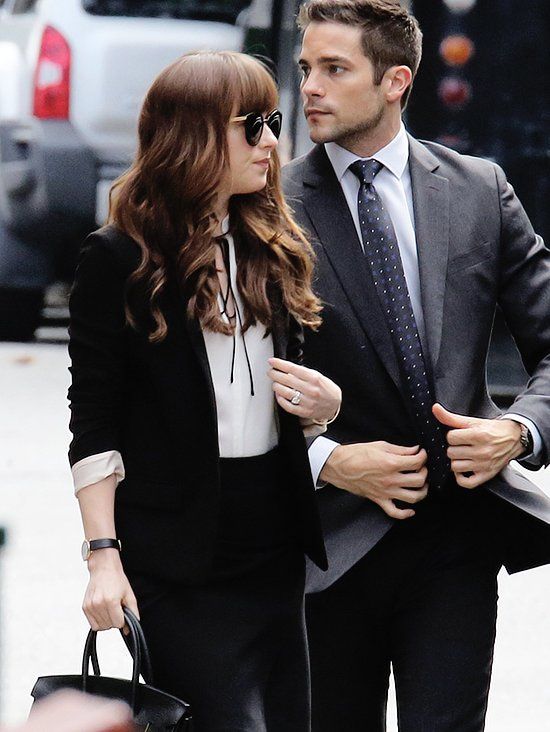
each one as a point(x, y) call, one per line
point(43, 579)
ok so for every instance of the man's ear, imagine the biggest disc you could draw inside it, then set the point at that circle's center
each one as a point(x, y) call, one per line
point(396, 81)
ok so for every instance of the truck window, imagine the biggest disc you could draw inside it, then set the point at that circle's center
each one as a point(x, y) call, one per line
point(22, 6)
point(221, 10)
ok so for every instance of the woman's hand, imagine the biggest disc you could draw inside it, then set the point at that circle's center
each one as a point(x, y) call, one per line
point(315, 396)
point(108, 591)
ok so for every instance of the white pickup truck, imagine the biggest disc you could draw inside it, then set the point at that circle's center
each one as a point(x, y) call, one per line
point(72, 77)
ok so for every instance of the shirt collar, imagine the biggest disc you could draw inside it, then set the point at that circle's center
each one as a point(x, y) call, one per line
point(225, 224)
point(394, 156)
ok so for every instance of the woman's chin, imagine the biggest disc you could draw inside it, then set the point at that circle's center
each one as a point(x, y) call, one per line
point(253, 187)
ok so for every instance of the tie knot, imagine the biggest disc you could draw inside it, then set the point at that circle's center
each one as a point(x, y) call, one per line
point(366, 170)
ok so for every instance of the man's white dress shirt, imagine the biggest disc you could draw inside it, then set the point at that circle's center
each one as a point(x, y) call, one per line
point(393, 184)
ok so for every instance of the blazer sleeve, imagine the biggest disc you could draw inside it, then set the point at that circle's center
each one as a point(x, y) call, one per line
point(524, 296)
point(97, 351)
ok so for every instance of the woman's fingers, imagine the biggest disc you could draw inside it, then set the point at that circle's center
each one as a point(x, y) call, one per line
point(288, 393)
point(104, 600)
point(288, 367)
point(291, 381)
point(288, 406)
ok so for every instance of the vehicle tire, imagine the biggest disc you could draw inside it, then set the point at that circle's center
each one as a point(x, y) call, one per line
point(20, 311)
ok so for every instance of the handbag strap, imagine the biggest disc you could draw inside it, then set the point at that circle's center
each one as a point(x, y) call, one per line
point(90, 652)
point(146, 669)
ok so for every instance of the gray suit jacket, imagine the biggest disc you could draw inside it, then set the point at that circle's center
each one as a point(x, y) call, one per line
point(476, 249)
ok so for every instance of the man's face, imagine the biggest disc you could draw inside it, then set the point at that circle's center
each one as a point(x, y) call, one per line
point(341, 100)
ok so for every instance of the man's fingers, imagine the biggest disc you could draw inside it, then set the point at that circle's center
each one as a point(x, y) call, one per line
point(414, 462)
point(471, 481)
point(451, 419)
point(462, 437)
point(391, 509)
point(402, 494)
point(462, 466)
point(401, 449)
point(462, 452)
point(413, 480)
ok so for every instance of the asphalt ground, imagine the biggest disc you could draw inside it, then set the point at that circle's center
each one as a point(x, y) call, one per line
point(42, 577)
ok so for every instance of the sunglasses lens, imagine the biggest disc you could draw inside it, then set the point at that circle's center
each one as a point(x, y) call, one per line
point(253, 128)
point(274, 122)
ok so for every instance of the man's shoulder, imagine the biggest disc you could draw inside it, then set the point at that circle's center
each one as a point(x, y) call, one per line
point(293, 174)
point(455, 164)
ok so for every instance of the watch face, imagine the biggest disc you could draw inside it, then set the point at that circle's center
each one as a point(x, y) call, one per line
point(85, 550)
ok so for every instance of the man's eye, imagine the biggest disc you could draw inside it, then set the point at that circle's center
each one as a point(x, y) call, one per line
point(304, 71)
point(333, 69)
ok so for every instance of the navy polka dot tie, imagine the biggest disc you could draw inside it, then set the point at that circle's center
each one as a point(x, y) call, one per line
point(382, 252)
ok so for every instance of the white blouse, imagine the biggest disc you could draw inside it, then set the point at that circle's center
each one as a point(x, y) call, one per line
point(247, 424)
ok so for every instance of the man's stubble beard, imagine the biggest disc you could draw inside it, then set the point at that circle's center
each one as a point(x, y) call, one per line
point(347, 135)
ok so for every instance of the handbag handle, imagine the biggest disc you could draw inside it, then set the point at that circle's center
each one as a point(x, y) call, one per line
point(136, 645)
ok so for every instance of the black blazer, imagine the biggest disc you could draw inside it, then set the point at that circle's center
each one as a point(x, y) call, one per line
point(476, 249)
point(155, 404)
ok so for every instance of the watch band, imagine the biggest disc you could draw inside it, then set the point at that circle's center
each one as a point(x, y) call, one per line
point(526, 439)
point(91, 546)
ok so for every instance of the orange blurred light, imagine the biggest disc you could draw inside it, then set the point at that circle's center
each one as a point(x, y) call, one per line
point(456, 50)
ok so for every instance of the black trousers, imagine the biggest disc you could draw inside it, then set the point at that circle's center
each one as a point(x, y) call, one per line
point(423, 600)
point(234, 645)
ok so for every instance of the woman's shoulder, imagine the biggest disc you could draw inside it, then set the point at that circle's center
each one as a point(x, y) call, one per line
point(112, 243)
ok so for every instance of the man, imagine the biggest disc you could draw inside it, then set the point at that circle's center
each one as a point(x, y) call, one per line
point(416, 245)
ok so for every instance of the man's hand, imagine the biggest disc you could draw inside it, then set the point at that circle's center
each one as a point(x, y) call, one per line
point(381, 472)
point(479, 448)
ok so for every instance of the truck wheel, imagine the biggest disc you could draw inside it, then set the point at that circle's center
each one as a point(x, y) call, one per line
point(19, 313)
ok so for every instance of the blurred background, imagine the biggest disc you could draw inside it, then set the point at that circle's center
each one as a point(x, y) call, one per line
point(72, 77)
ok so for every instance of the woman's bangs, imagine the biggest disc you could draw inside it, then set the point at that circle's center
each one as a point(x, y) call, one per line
point(255, 89)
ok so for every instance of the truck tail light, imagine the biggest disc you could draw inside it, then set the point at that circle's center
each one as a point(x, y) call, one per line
point(52, 77)
point(454, 92)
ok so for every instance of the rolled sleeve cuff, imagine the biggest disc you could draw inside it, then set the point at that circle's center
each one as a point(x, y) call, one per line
point(319, 452)
point(94, 468)
point(312, 429)
point(534, 457)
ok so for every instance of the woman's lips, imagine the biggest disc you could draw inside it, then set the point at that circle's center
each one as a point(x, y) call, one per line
point(263, 163)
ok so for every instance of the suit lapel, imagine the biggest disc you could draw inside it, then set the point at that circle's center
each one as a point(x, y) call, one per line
point(175, 372)
point(327, 208)
point(431, 214)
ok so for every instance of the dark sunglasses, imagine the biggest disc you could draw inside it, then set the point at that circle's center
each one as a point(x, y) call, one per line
point(254, 125)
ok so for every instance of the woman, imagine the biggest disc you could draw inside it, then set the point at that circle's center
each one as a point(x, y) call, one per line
point(186, 319)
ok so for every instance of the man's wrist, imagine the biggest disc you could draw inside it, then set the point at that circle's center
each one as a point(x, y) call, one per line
point(328, 473)
point(522, 435)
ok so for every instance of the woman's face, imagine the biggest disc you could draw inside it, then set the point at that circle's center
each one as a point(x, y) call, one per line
point(248, 164)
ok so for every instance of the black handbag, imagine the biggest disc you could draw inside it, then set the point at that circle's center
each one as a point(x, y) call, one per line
point(153, 710)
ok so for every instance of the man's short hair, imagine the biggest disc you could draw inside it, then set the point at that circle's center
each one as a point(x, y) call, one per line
point(391, 36)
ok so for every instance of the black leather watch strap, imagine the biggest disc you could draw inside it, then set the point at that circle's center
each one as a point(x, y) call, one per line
point(90, 546)
point(104, 544)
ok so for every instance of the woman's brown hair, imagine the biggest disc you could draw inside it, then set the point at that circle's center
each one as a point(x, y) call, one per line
point(166, 200)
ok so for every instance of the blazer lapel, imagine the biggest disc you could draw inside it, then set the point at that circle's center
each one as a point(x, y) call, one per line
point(327, 208)
point(178, 378)
point(431, 214)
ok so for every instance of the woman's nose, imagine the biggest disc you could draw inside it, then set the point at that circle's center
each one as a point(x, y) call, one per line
point(268, 139)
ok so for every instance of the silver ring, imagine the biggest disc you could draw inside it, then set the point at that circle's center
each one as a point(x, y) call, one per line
point(297, 398)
